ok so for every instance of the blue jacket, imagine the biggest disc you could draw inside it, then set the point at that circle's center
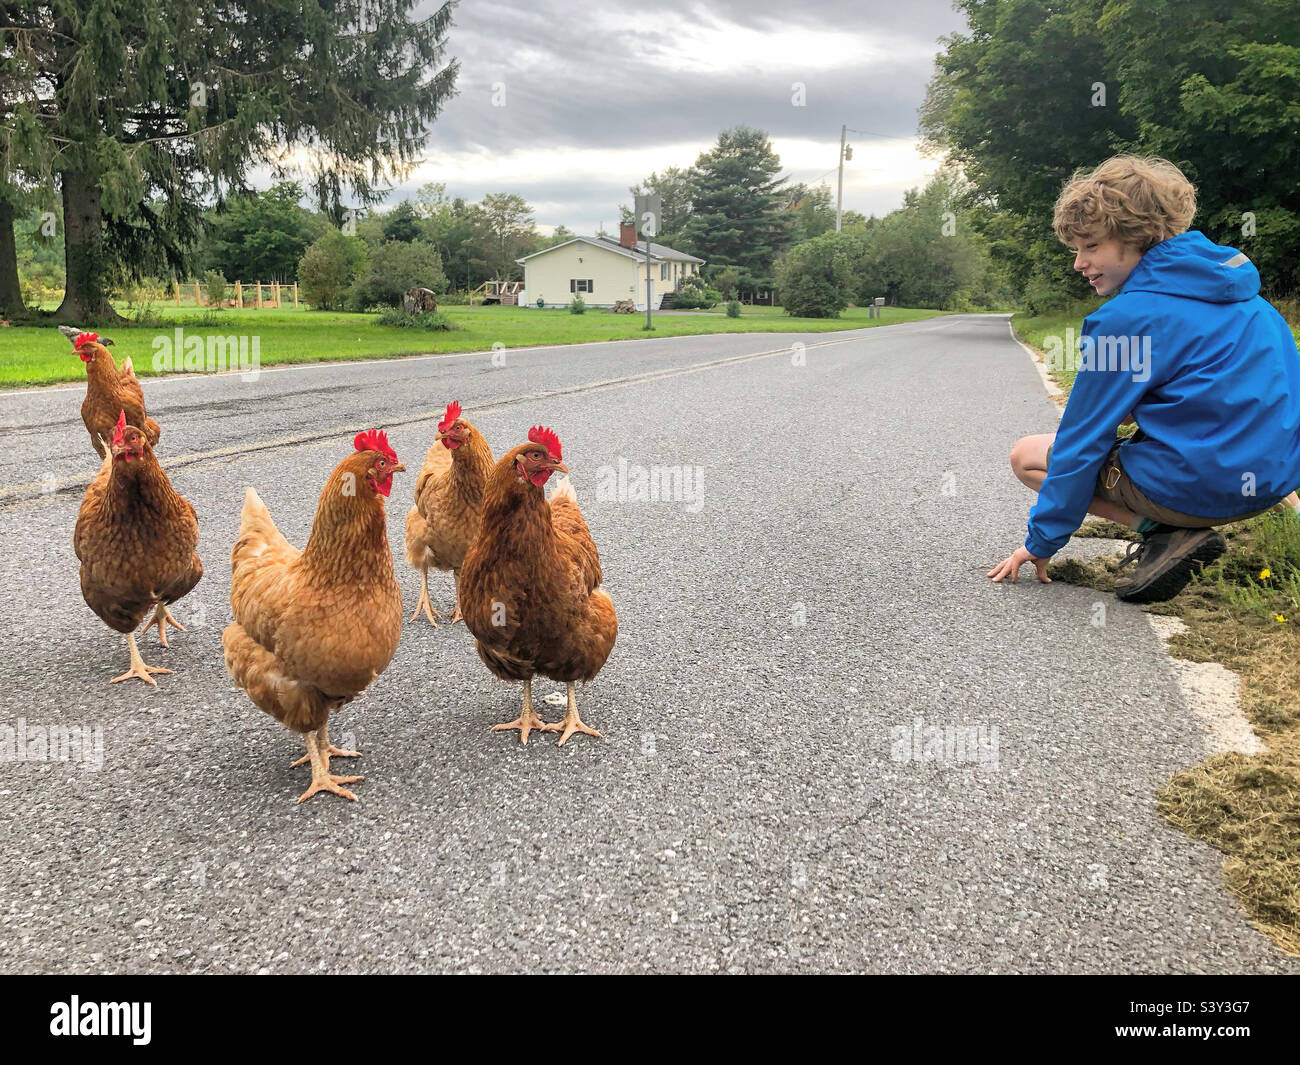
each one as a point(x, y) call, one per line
point(1211, 372)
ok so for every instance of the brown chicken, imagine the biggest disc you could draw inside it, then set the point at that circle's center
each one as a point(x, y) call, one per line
point(530, 586)
point(448, 504)
point(136, 540)
point(314, 627)
point(110, 392)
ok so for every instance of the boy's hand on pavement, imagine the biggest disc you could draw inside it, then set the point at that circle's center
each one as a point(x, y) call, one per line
point(1011, 567)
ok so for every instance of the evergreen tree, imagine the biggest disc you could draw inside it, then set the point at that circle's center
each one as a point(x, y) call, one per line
point(143, 109)
point(737, 217)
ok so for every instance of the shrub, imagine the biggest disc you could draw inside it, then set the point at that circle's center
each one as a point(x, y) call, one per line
point(727, 281)
point(733, 308)
point(577, 305)
point(814, 278)
point(398, 317)
point(214, 281)
point(394, 268)
point(693, 293)
point(329, 269)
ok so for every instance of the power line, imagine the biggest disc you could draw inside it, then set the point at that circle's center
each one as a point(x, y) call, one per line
point(868, 133)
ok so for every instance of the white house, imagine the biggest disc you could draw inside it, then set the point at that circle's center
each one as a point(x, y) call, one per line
point(602, 270)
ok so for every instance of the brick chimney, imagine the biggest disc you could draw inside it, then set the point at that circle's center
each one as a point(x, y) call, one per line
point(627, 234)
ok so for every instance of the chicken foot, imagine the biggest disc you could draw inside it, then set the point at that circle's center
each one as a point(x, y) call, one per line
point(572, 722)
point(138, 667)
point(527, 719)
point(321, 779)
point(327, 749)
point(457, 615)
point(162, 617)
point(425, 605)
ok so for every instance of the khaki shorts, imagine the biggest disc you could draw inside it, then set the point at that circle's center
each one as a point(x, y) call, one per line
point(1114, 486)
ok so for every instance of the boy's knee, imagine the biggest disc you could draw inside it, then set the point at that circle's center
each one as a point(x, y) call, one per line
point(1020, 451)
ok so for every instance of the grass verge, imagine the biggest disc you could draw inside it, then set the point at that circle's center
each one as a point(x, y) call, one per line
point(38, 355)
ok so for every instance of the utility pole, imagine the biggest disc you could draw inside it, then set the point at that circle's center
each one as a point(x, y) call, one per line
point(839, 192)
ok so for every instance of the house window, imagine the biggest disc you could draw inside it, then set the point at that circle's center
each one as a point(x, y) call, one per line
point(663, 272)
point(580, 284)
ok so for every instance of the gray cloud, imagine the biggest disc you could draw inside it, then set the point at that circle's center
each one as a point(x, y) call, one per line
point(574, 82)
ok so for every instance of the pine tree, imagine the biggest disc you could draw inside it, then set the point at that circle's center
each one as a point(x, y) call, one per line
point(737, 216)
point(144, 111)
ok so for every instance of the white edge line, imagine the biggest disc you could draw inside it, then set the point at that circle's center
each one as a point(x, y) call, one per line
point(1053, 391)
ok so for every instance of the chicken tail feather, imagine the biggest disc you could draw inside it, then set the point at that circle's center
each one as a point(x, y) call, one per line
point(259, 542)
point(417, 547)
point(564, 490)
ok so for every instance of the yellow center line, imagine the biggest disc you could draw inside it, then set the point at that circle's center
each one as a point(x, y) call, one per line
point(15, 493)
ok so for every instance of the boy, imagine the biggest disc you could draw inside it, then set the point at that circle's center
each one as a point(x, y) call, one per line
point(1190, 351)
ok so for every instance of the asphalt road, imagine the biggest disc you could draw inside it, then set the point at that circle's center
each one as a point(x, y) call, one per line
point(756, 804)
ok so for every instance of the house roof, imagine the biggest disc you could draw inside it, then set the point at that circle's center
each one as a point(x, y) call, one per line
point(658, 252)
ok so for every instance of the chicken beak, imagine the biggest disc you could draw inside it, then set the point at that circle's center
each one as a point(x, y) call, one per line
point(399, 468)
point(555, 464)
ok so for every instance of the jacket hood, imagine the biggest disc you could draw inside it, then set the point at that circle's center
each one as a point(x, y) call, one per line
point(1193, 266)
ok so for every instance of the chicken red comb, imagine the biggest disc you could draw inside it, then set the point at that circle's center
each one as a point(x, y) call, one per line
point(85, 338)
point(374, 440)
point(547, 438)
point(449, 419)
point(119, 430)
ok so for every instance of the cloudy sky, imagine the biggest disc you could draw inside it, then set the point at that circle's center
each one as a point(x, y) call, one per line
point(568, 105)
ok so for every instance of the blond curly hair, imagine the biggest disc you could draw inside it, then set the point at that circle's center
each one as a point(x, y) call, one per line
point(1140, 199)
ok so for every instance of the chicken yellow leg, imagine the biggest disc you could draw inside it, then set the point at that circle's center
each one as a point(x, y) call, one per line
point(162, 617)
point(425, 605)
point(527, 719)
point(321, 780)
point(457, 616)
point(327, 749)
point(572, 722)
point(138, 668)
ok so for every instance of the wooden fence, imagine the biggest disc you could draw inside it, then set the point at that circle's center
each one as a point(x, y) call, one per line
point(264, 294)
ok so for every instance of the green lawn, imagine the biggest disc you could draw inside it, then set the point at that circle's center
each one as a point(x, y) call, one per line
point(40, 355)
